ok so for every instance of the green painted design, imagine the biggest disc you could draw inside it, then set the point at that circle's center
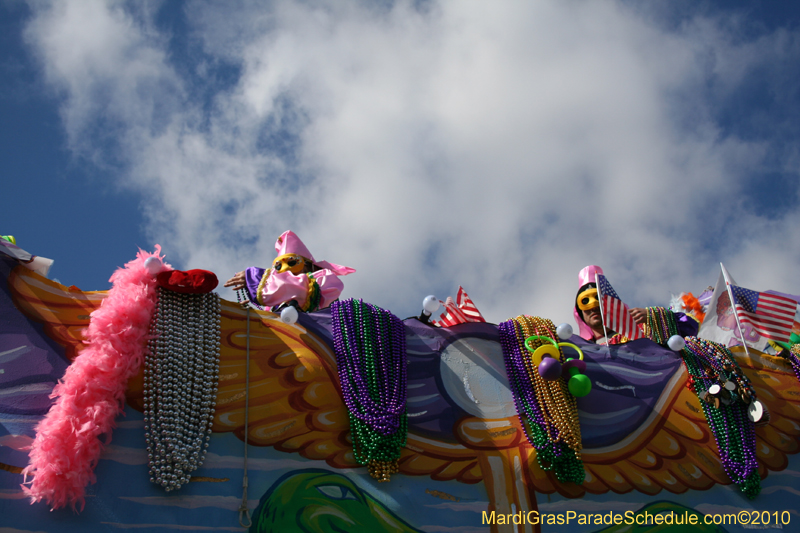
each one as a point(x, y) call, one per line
point(320, 501)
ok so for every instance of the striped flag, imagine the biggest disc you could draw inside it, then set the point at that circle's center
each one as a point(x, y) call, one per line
point(467, 306)
point(615, 313)
point(460, 312)
point(771, 315)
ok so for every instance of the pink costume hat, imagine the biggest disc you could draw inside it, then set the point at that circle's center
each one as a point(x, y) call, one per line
point(289, 243)
point(586, 275)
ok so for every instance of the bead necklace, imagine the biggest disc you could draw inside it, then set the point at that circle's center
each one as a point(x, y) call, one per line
point(181, 370)
point(712, 367)
point(370, 347)
point(794, 360)
point(660, 325)
point(314, 295)
point(547, 411)
point(243, 299)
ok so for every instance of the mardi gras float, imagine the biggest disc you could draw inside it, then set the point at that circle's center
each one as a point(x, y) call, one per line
point(158, 405)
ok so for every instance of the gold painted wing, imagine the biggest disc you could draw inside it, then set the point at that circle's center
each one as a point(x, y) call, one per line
point(63, 311)
point(295, 403)
point(675, 450)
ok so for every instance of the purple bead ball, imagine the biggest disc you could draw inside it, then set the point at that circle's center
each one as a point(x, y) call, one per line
point(550, 369)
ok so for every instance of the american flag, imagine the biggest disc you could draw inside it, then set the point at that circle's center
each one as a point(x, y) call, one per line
point(460, 312)
point(615, 313)
point(771, 315)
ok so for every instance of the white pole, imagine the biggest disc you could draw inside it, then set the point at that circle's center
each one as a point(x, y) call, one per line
point(735, 314)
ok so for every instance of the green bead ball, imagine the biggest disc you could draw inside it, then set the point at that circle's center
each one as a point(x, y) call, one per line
point(580, 385)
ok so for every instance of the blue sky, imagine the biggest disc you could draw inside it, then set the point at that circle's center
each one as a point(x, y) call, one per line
point(426, 144)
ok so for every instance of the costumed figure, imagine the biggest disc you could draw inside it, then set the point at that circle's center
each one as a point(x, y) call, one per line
point(295, 278)
point(589, 318)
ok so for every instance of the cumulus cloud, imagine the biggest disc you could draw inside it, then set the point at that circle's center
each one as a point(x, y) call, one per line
point(433, 144)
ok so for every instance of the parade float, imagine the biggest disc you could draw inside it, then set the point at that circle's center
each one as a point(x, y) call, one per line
point(158, 406)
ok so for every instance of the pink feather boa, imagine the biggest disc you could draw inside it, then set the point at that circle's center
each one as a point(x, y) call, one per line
point(91, 394)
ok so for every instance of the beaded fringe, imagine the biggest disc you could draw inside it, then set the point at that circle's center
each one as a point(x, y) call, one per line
point(370, 346)
point(660, 325)
point(547, 411)
point(709, 364)
point(181, 372)
point(792, 357)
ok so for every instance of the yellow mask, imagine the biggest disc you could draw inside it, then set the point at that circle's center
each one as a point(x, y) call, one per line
point(588, 299)
point(296, 264)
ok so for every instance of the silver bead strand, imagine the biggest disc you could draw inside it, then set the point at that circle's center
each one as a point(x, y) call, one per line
point(180, 378)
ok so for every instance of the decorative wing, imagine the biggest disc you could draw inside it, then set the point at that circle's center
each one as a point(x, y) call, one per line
point(777, 388)
point(294, 404)
point(675, 450)
point(64, 311)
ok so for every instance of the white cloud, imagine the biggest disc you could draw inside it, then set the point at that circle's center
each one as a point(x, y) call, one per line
point(502, 148)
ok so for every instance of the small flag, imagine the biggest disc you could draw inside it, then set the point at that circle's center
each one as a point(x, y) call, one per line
point(720, 323)
point(467, 306)
point(460, 312)
point(615, 313)
point(771, 315)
